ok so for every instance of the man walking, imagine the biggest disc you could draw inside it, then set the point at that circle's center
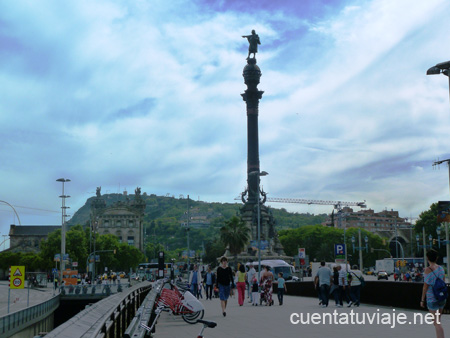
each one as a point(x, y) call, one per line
point(323, 280)
point(250, 275)
point(194, 279)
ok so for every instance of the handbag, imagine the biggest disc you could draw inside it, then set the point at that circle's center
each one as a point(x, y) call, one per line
point(361, 280)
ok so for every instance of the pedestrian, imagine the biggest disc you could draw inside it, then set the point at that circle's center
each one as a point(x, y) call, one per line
point(432, 274)
point(281, 287)
point(344, 290)
point(334, 289)
point(241, 284)
point(355, 286)
point(194, 279)
point(209, 280)
point(255, 291)
point(323, 280)
point(224, 282)
point(251, 273)
point(266, 285)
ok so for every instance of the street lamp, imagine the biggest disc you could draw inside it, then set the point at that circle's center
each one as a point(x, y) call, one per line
point(424, 246)
point(63, 221)
point(259, 174)
point(446, 242)
point(441, 68)
point(360, 248)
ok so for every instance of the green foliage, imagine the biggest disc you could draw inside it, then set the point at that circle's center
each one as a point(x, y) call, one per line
point(32, 262)
point(235, 235)
point(428, 220)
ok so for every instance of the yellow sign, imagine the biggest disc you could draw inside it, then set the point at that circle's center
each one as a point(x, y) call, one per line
point(17, 278)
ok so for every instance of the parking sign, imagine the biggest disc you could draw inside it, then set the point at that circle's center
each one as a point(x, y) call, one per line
point(339, 250)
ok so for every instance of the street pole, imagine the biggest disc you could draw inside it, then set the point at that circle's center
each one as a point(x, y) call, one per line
point(63, 221)
point(187, 229)
point(259, 234)
point(360, 251)
point(396, 239)
point(448, 250)
point(424, 249)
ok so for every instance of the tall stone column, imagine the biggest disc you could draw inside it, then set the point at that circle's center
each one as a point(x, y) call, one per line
point(252, 95)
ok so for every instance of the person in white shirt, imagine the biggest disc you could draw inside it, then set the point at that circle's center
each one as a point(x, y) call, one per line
point(251, 273)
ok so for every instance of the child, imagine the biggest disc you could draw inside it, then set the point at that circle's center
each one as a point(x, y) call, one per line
point(255, 292)
point(281, 287)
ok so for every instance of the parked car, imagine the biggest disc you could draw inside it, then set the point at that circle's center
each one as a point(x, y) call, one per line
point(382, 275)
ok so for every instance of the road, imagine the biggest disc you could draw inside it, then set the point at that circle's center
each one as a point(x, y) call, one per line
point(275, 321)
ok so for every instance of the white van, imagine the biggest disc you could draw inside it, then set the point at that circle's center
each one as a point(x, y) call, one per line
point(276, 266)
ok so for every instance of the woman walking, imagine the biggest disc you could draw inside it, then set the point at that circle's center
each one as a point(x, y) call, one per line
point(241, 275)
point(432, 273)
point(224, 282)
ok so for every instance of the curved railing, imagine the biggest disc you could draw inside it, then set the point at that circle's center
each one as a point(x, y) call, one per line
point(20, 320)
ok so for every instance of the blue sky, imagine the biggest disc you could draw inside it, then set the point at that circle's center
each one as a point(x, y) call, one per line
point(147, 93)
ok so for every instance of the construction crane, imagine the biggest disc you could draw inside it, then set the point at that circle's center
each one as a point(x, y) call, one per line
point(337, 204)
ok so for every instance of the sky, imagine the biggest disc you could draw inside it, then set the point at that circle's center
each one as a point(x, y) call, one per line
point(121, 94)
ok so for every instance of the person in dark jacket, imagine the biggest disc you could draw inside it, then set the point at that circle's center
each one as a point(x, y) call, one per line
point(224, 281)
point(209, 280)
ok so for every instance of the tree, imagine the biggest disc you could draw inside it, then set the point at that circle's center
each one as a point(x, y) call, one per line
point(235, 235)
point(428, 220)
point(213, 250)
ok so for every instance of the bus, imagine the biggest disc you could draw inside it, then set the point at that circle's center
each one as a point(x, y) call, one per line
point(150, 270)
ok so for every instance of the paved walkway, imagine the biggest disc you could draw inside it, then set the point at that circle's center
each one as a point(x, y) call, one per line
point(18, 297)
point(261, 322)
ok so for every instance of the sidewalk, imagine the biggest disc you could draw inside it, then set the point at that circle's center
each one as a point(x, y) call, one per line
point(274, 321)
point(18, 297)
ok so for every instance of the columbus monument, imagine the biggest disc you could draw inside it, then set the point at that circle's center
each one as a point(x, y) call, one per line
point(253, 197)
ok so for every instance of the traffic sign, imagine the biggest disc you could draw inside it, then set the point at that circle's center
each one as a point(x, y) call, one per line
point(17, 277)
point(301, 253)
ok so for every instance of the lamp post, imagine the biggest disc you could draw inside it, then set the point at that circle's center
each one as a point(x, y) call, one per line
point(424, 246)
point(63, 221)
point(447, 244)
point(441, 68)
point(187, 231)
point(15, 212)
point(360, 248)
point(259, 174)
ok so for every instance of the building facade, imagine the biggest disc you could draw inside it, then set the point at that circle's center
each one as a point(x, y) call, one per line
point(28, 238)
point(123, 219)
point(368, 219)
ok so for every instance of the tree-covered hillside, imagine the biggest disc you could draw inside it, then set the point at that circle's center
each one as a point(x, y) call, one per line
point(164, 216)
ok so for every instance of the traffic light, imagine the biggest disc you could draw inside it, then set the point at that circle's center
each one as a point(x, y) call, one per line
point(434, 241)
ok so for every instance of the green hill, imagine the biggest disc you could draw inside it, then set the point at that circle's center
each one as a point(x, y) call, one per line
point(164, 216)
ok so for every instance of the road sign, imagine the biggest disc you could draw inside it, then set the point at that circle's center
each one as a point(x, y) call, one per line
point(301, 253)
point(75, 264)
point(17, 277)
point(54, 271)
point(339, 251)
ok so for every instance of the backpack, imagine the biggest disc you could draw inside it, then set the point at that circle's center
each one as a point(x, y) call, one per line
point(440, 290)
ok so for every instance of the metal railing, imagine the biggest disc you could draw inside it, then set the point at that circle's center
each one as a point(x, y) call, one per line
point(145, 313)
point(19, 320)
point(89, 290)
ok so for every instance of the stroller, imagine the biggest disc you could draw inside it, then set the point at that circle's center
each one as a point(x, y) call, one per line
point(266, 292)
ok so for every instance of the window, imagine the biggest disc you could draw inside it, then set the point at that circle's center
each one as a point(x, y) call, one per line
point(119, 238)
point(130, 240)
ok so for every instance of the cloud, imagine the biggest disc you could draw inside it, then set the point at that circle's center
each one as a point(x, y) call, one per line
point(148, 94)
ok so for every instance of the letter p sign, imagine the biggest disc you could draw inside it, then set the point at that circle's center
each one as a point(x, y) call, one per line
point(339, 250)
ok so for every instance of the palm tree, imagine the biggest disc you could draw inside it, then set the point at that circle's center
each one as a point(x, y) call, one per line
point(235, 235)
